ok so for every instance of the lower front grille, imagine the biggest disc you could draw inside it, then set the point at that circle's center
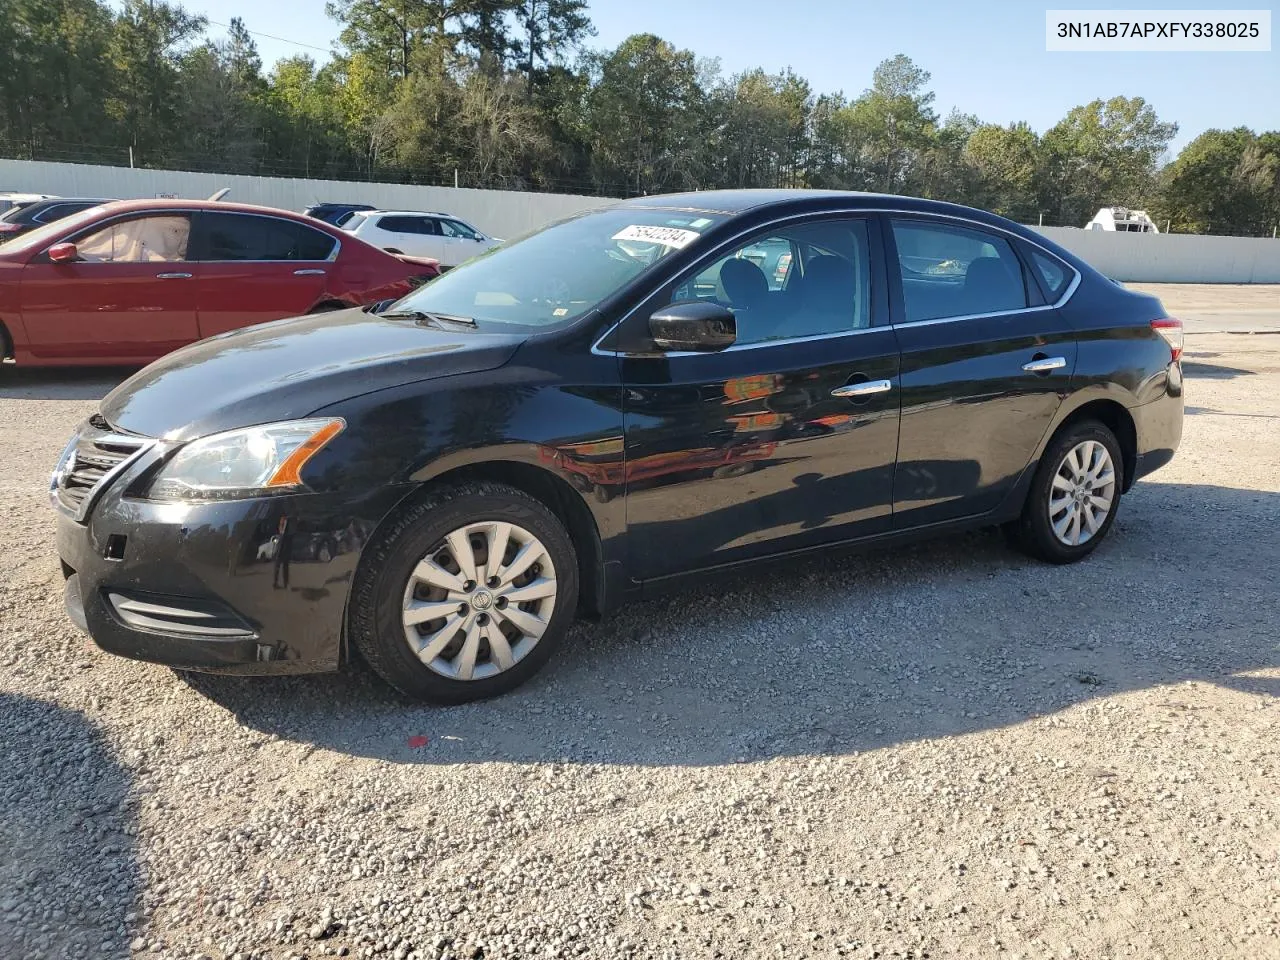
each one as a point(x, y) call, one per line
point(182, 616)
point(95, 456)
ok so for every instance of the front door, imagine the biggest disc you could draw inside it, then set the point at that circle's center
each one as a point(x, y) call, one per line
point(254, 268)
point(131, 296)
point(985, 365)
point(788, 438)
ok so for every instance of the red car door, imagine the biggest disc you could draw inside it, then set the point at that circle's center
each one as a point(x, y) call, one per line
point(256, 267)
point(129, 297)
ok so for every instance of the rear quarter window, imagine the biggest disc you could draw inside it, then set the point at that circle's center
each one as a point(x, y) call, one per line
point(1053, 276)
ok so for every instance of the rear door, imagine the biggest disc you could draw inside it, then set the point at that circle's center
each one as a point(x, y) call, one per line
point(985, 365)
point(254, 268)
point(130, 297)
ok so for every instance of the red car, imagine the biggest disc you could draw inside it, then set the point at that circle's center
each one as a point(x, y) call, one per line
point(127, 282)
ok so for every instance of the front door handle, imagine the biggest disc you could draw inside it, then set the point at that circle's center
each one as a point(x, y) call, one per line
point(864, 389)
point(1042, 364)
point(308, 273)
point(173, 276)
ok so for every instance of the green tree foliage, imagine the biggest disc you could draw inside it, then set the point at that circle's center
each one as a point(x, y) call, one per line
point(503, 93)
point(1008, 164)
point(1225, 181)
point(1104, 153)
point(645, 116)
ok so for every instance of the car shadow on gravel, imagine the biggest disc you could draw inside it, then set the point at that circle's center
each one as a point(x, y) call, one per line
point(63, 383)
point(1195, 369)
point(848, 654)
point(69, 876)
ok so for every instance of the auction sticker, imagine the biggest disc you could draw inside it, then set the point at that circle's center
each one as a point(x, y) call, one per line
point(667, 236)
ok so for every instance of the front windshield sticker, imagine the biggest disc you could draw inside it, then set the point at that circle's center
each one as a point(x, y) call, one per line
point(667, 236)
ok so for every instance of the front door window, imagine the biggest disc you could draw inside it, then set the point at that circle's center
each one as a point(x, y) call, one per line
point(159, 239)
point(807, 280)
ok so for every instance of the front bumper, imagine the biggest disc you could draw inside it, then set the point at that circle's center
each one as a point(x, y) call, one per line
point(218, 586)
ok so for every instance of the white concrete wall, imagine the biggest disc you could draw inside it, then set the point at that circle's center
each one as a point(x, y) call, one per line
point(499, 213)
point(1172, 257)
point(1138, 257)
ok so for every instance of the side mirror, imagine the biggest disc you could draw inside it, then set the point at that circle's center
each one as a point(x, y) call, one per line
point(64, 253)
point(693, 325)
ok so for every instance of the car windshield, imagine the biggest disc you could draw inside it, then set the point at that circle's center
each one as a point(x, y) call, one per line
point(42, 236)
point(552, 277)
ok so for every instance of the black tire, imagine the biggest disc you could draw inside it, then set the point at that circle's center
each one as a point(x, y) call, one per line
point(1032, 532)
point(329, 306)
point(374, 615)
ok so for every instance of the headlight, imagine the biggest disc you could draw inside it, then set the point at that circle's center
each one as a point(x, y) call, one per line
point(243, 463)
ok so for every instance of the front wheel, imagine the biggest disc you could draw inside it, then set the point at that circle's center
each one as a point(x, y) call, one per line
point(466, 595)
point(1074, 496)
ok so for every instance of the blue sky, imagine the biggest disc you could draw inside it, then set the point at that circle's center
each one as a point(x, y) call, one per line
point(986, 58)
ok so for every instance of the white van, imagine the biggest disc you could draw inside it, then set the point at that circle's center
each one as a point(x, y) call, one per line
point(1122, 220)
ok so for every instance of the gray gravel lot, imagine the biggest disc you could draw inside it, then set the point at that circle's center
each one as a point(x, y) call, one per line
point(942, 751)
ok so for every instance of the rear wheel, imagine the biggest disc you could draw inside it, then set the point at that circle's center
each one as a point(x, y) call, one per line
point(467, 595)
point(1074, 497)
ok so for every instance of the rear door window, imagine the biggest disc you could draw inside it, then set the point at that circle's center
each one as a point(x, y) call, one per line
point(422, 226)
point(233, 236)
point(952, 271)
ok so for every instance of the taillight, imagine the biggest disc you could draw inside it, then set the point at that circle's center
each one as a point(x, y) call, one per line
point(1171, 330)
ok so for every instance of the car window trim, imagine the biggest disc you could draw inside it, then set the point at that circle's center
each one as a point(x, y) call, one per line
point(191, 212)
point(927, 216)
point(333, 255)
point(874, 213)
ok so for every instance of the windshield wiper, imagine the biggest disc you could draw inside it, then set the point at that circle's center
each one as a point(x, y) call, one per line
point(439, 319)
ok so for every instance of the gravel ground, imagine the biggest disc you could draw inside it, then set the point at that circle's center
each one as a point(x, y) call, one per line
point(944, 751)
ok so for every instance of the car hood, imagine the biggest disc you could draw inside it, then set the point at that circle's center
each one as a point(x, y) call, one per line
point(289, 368)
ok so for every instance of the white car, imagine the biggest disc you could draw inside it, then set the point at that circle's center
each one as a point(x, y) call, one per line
point(437, 235)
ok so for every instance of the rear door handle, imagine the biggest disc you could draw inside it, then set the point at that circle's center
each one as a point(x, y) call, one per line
point(308, 273)
point(1045, 364)
point(865, 389)
point(173, 276)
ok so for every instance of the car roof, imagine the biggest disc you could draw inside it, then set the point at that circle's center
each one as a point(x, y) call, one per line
point(763, 204)
point(55, 201)
point(220, 206)
point(410, 213)
point(733, 202)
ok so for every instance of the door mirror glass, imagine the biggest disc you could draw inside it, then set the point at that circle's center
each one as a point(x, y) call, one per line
point(693, 325)
point(64, 253)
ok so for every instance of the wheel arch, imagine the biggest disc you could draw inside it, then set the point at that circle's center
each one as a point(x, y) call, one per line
point(1117, 418)
point(549, 489)
point(6, 342)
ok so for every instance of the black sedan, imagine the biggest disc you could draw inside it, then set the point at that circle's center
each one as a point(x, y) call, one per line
point(335, 213)
point(628, 400)
point(24, 219)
